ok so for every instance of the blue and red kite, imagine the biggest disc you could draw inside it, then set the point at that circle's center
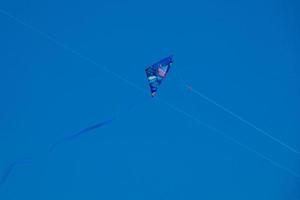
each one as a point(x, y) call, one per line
point(157, 72)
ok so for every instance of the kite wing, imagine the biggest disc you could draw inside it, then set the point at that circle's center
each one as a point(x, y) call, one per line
point(157, 72)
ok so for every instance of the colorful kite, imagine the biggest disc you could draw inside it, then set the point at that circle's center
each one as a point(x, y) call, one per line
point(157, 72)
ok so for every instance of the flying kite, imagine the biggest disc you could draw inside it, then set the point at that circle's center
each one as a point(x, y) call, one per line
point(157, 72)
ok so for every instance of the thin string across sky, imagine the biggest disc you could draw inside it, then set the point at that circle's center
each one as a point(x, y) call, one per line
point(227, 110)
point(118, 76)
point(250, 124)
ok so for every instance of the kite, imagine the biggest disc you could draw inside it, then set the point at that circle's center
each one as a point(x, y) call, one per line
point(157, 72)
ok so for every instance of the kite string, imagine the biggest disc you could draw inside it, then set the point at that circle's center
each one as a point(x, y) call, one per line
point(232, 139)
point(240, 118)
point(50, 38)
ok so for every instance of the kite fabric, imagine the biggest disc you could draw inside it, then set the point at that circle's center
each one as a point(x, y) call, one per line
point(157, 72)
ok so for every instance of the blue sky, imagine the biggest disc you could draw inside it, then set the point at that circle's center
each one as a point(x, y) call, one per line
point(244, 55)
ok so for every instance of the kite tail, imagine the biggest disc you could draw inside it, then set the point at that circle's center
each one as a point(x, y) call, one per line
point(95, 126)
point(10, 168)
point(81, 132)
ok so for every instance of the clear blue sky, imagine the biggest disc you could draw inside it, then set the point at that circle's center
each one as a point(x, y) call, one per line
point(244, 55)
